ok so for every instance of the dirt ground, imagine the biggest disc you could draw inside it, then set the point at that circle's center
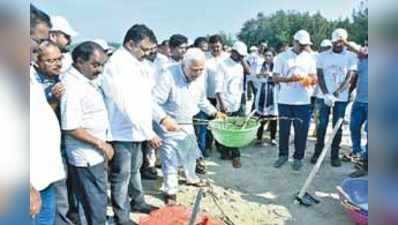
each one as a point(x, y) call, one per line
point(258, 194)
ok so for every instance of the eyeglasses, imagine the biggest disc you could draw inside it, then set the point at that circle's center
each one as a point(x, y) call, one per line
point(54, 61)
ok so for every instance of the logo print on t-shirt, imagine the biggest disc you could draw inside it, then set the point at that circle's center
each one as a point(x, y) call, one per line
point(336, 73)
point(234, 85)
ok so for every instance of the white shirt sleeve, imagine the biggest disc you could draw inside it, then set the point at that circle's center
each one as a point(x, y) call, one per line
point(353, 62)
point(313, 66)
point(160, 94)
point(219, 80)
point(205, 105)
point(278, 65)
point(71, 110)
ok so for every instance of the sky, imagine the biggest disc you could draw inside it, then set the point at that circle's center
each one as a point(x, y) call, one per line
point(110, 19)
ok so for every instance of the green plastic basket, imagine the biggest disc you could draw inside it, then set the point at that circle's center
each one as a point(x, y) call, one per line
point(228, 132)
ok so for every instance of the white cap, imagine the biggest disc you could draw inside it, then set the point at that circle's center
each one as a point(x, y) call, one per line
point(326, 43)
point(59, 23)
point(339, 34)
point(303, 37)
point(103, 44)
point(253, 48)
point(240, 47)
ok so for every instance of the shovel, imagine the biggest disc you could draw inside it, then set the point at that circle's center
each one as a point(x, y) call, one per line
point(196, 208)
point(304, 198)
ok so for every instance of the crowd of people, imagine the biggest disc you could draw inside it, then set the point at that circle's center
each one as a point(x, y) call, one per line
point(103, 117)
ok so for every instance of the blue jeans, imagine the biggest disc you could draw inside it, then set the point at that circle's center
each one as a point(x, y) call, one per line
point(365, 154)
point(323, 121)
point(359, 116)
point(201, 132)
point(302, 112)
point(125, 178)
point(47, 212)
point(89, 186)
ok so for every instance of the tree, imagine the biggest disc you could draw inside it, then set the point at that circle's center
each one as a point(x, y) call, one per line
point(280, 27)
point(227, 38)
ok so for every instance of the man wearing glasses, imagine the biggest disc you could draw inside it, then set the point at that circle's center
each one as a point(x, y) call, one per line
point(48, 67)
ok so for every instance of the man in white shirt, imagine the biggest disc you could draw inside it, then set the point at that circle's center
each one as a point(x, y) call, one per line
point(61, 34)
point(295, 71)
point(179, 95)
point(255, 61)
point(326, 44)
point(336, 67)
point(229, 90)
point(43, 126)
point(213, 59)
point(84, 120)
point(156, 65)
point(127, 84)
point(178, 44)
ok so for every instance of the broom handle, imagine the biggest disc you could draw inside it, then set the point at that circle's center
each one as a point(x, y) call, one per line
point(315, 170)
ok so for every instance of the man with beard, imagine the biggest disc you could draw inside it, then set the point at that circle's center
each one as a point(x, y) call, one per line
point(127, 85)
point(336, 67)
point(178, 44)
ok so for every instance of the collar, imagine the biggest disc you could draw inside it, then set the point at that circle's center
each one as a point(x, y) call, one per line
point(129, 55)
point(78, 75)
point(44, 77)
point(184, 77)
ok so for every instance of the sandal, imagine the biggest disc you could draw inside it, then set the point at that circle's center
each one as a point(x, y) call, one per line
point(170, 200)
point(199, 184)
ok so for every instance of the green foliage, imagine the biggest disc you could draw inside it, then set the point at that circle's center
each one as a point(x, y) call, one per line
point(280, 27)
point(228, 38)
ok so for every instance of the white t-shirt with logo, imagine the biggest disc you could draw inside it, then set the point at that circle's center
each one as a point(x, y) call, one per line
point(229, 83)
point(335, 67)
point(287, 64)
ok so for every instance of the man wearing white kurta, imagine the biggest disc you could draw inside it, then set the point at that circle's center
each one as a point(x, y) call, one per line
point(178, 96)
point(127, 86)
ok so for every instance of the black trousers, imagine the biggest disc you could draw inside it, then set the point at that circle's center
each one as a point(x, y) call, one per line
point(272, 124)
point(209, 136)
